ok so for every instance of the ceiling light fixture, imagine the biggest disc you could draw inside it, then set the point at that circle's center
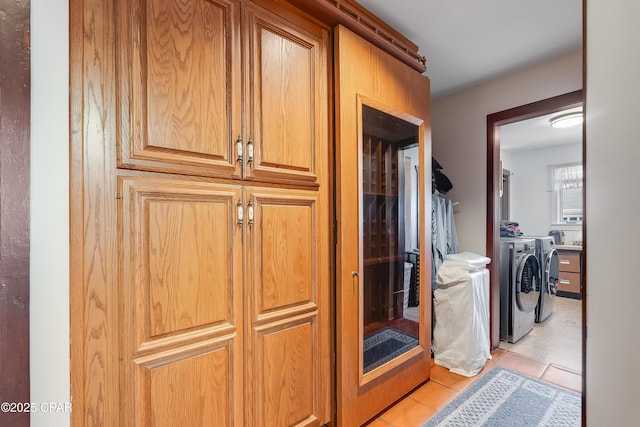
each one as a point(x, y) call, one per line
point(567, 120)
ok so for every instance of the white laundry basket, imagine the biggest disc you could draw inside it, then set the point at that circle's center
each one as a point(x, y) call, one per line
point(461, 305)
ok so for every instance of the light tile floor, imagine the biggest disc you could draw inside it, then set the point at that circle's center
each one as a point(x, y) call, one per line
point(558, 339)
point(551, 352)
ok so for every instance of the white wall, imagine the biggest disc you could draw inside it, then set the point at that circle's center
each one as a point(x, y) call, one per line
point(459, 134)
point(612, 177)
point(49, 269)
point(530, 202)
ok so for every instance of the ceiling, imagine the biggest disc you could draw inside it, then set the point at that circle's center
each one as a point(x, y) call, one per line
point(537, 134)
point(469, 42)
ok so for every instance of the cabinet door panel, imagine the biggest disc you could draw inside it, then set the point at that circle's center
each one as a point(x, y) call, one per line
point(178, 98)
point(191, 391)
point(288, 356)
point(285, 355)
point(180, 301)
point(287, 97)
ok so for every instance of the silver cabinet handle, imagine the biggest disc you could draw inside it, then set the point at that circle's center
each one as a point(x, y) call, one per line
point(565, 262)
point(240, 213)
point(239, 148)
point(250, 152)
point(565, 282)
point(250, 213)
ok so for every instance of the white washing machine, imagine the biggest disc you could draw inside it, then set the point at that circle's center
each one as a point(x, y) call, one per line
point(519, 287)
point(549, 272)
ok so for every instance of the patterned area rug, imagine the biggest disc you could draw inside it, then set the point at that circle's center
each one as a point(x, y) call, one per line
point(385, 345)
point(504, 398)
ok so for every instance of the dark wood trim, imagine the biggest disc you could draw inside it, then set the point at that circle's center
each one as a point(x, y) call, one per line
point(494, 121)
point(15, 106)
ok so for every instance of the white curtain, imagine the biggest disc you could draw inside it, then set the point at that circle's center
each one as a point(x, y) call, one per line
point(564, 176)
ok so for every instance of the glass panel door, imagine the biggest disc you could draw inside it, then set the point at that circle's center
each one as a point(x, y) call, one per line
point(390, 251)
point(383, 165)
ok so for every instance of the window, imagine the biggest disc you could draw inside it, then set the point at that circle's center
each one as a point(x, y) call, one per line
point(565, 184)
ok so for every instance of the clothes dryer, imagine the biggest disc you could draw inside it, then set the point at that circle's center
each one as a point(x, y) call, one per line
point(519, 287)
point(549, 273)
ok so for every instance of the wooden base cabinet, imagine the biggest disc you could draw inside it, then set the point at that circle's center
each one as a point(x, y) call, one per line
point(200, 214)
point(570, 278)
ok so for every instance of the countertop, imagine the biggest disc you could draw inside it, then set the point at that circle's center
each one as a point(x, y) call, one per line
point(569, 247)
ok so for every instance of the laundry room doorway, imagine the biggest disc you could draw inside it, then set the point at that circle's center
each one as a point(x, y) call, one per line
point(545, 210)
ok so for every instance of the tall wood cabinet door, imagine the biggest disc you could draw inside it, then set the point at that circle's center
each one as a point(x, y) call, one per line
point(180, 303)
point(383, 109)
point(288, 346)
point(286, 96)
point(178, 86)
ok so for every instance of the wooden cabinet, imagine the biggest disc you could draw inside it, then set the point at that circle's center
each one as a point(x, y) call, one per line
point(570, 278)
point(207, 193)
point(221, 88)
point(201, 263)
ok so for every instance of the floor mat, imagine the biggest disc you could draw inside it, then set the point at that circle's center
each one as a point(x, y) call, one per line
point(505, 398)
point(385, 345)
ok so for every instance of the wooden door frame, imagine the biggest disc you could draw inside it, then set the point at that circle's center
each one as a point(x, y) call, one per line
point(494, 121)
point(15, 106)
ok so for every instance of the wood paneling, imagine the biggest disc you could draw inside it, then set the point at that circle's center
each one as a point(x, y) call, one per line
point(94, 266)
